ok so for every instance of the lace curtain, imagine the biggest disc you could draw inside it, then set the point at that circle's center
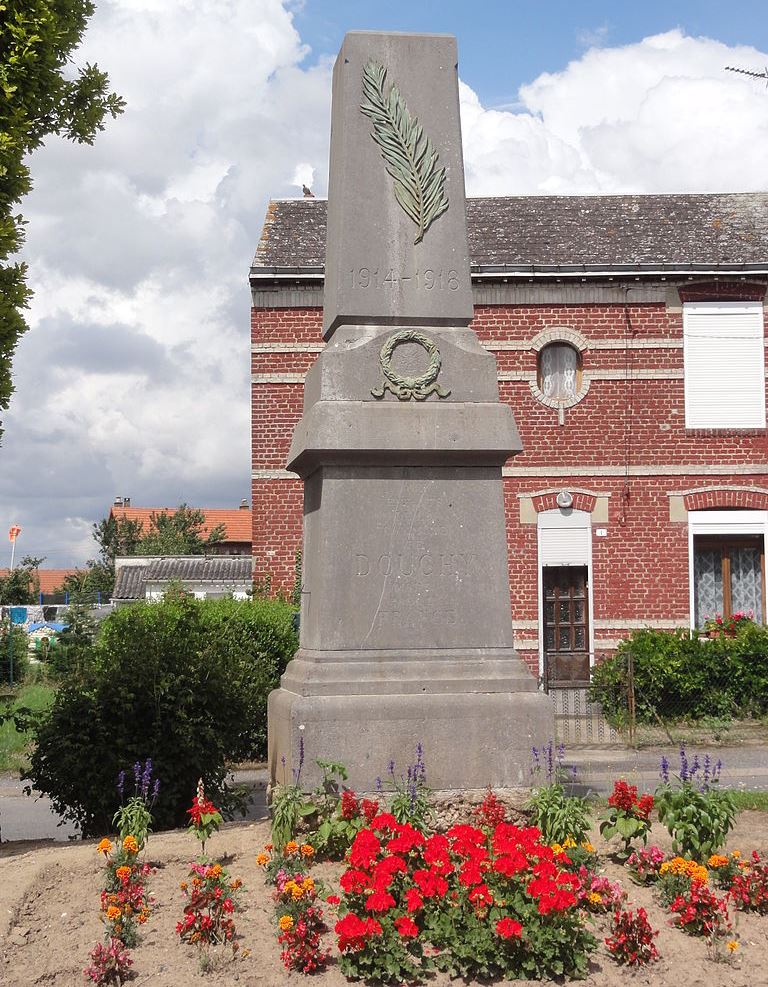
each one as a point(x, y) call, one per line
point(746, 582)
point(558, 365)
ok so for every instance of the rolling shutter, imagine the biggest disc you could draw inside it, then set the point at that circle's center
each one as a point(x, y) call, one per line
point(724, 354)
point(564, 539)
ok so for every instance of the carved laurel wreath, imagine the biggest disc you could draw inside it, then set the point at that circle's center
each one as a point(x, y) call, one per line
point(404, 387)
point(410, 156)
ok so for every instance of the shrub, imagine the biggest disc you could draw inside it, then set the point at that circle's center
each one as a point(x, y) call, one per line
point(184, 682)
point(14, 645)
point(110, 964)
point(677, 674)
point(699, 912)
point(749, 890)
point(559, 817)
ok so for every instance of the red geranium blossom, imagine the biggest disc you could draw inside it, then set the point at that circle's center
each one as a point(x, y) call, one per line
point(353, 932)
point(379, 901)
point(365, 849)
point(406, 927)
point(507, 928)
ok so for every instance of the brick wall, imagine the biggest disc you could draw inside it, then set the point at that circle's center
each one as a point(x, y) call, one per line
point(625, 441)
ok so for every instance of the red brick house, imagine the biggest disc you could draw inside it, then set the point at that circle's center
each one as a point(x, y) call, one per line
point(629, 337)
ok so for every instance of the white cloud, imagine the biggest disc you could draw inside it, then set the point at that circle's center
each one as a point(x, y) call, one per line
point(134, 379)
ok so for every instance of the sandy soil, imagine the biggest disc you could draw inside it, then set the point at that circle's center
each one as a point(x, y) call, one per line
point(49, 908)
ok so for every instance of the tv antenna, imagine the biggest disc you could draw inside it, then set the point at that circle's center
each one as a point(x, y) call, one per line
point(749, 72)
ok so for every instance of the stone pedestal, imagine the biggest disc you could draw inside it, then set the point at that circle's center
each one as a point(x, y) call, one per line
point(406, 628)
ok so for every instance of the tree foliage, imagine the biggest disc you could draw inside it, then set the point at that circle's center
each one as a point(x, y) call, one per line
point(21, 585)
point(178, 532)
point(183, 682)
point(40, 95)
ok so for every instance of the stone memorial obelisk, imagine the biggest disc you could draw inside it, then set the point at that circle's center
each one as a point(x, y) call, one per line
point(406, 627)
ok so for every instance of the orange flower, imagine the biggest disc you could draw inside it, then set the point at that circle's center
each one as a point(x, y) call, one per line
point(285, 923)
point(105, 846)
point(183, 885)
point(268, 847)
point(262, 859)
point(123, 872)
point(130, 845)
point(291, 846)
point(113, 913)
point(215, 871)
point(307, 850)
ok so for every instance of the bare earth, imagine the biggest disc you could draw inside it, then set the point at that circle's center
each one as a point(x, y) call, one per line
point(49, 920)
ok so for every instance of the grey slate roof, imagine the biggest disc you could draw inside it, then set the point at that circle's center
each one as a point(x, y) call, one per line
point(131, 580)
point(522, 233)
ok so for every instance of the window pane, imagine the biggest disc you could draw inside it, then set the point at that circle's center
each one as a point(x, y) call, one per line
point(564, 642)
point(579, 639)
point(558, 366)
point(549, 613)
point(708, 583)
point(549, 639)
point(578, 612)
point(746, 581)
point(565, 612)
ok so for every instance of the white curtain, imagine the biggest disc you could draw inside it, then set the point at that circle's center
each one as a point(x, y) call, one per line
point(559, 363)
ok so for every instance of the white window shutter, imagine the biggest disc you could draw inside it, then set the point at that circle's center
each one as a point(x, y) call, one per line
point(564, 539)
point(724, 355)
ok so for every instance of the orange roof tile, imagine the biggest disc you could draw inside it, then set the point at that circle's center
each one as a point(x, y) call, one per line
point(50, 579)
point(237, 522)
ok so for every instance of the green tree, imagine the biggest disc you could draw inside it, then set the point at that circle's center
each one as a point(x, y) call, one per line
point(40, 95)
point(73, 650)
point(21, 585)
point(182, 681)
point(178, 533)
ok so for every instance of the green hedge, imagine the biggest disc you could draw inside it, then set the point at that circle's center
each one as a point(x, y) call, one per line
point(680, 676)
point(183, 682)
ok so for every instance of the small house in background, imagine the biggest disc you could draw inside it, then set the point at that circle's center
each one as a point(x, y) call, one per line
point(237, 523)
point(144, 577)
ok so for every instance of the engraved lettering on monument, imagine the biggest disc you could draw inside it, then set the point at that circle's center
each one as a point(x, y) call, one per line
point(409, 154)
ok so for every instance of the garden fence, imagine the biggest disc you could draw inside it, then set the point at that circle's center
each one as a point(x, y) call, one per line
point(725, 703)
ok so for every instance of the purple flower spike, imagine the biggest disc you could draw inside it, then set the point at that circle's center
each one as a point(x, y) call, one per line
point(155, 790)
point(379, 785)
point(137, 774)
point(391, 768)
point(121, 785)
point(146, 778)
point(683, 764)
point(664, 770)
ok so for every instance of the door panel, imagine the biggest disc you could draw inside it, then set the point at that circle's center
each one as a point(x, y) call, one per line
point(566, 626)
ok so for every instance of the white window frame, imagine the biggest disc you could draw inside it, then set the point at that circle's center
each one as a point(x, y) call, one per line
point(717, 416)
point(565, 518)
point(721, 523)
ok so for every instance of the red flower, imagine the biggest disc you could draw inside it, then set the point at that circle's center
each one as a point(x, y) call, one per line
point(355, 881)
point(384, 820)
point(407, 838)
point(353, 932)
point(365, 849)
point(333, 899)
point(349, 807)
point(507, 928)
point(413, 900)
point(369, 810)
point(645, 806)
point(480, 895)
point(512, 863)
point(385, 870)
point(406, 927)
point(201, 808)
point(624, 796)
point(431, 885)
point(379, 901)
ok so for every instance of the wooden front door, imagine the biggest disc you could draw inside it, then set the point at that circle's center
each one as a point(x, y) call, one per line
point(566, 626)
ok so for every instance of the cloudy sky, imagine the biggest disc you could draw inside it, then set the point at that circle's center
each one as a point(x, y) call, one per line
point(134, 378)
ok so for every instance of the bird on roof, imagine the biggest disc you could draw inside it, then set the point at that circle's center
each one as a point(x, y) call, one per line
point(308, 193)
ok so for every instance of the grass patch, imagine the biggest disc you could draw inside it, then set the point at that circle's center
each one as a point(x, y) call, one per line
point(13, 745)
point(749, 800)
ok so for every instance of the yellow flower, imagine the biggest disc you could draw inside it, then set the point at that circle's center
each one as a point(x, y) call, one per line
point(556, 848)
point(586, 845)
point(307, 850)
point(105, 846)
point(733, 946)
point(285, 923)
point(262, 859)
point(291, 846)
point(113, 913)
point(594, 898)
point(569, 842)
point(736, 854)
point(130, 845)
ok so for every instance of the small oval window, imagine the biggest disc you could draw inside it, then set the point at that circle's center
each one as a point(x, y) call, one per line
point(559, 372)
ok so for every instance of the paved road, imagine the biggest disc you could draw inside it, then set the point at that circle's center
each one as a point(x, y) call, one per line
point(26, 818)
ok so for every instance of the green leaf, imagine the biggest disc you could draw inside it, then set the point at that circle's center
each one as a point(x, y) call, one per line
point(411, 159)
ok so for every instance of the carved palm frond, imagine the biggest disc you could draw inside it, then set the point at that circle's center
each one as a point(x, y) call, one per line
point(410, 156)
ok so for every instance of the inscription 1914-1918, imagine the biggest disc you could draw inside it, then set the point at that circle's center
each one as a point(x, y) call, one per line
point(450, 564)
point(429, 280)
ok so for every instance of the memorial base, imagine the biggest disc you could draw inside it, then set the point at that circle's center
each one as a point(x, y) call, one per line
point(474, 729)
